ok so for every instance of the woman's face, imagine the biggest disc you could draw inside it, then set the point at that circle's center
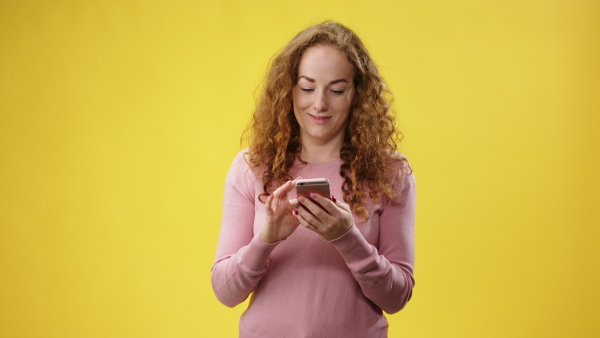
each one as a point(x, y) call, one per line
point(323, 94)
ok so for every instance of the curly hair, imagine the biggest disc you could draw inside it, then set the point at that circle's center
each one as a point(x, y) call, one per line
point(370, 162)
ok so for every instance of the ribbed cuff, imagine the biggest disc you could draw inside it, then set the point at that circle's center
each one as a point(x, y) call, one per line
point(257, 253)
point(352, 245)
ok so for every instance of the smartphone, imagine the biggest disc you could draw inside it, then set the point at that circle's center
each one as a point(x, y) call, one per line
point(317, 185)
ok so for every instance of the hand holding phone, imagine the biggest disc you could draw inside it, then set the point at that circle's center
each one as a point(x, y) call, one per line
point(329, 223)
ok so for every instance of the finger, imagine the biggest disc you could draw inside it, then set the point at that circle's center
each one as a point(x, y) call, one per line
point(284, 189)
point(311, 211)
point(295, 180)
point(341, 204)
point(345, 207)
point(294, 203)
point(268, 205)
point(305, 223)
point(285, 205)
point(323, 202)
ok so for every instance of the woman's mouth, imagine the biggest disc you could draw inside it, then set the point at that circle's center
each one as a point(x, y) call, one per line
point(319, 119)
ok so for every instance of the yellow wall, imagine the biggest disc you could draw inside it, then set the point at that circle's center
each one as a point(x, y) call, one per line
point(119, 119)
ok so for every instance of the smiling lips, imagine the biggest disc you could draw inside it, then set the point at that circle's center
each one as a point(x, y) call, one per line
point(319, 119)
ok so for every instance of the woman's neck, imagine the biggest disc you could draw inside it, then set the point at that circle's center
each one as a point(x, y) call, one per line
point(315, 152)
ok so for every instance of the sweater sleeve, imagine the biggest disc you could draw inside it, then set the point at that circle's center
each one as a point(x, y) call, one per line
point(385, 276)
point(241, 259)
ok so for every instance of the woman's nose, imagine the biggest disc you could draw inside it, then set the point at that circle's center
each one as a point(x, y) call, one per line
point(321, 103)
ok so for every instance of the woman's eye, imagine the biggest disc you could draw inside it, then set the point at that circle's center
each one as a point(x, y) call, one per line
point(338, 92)
point(307, 90)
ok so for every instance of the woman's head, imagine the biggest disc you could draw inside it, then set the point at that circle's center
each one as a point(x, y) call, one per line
point(323, 95)
point(283, 74)
point(369, 134)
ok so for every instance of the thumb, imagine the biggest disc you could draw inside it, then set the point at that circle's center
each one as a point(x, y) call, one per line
point(341, 204)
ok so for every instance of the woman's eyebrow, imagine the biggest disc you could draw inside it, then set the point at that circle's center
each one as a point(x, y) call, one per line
point(313, 80)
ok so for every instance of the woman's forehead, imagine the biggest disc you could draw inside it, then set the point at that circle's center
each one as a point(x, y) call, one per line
point(324, 63)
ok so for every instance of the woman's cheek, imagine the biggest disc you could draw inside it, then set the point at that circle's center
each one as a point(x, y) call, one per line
point(302, 101)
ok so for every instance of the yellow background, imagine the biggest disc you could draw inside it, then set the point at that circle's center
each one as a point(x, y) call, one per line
point(119, 120)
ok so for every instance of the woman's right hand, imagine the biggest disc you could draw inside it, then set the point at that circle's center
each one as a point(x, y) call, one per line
point(279, 222)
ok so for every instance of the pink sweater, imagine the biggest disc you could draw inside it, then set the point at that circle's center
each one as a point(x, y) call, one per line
point(305, 286)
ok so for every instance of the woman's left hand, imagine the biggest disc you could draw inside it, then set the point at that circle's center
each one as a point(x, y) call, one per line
point(330, 219)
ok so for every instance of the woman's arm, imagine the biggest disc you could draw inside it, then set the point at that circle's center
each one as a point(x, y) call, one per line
point(234, 277)
point(385, 276)
point(241, 256)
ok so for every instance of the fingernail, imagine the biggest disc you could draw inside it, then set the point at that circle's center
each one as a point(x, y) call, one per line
point(301, 199)
point(299, 177)
point(313, 195)
point(333, 199)
point(295, 212)
point(295, 205)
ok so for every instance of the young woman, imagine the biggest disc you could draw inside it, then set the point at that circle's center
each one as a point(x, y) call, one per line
point(319, 267)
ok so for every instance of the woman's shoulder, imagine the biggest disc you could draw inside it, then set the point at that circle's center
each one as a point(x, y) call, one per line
point(241, 162)
point(402, 173)
point(400, 163)
point(398, 155)
point(242, 156)
point(241, 167)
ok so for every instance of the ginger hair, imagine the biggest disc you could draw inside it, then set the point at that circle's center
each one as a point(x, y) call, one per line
point(371, 165)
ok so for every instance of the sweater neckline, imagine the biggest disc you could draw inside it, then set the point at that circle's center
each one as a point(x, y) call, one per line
point(319, 164)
